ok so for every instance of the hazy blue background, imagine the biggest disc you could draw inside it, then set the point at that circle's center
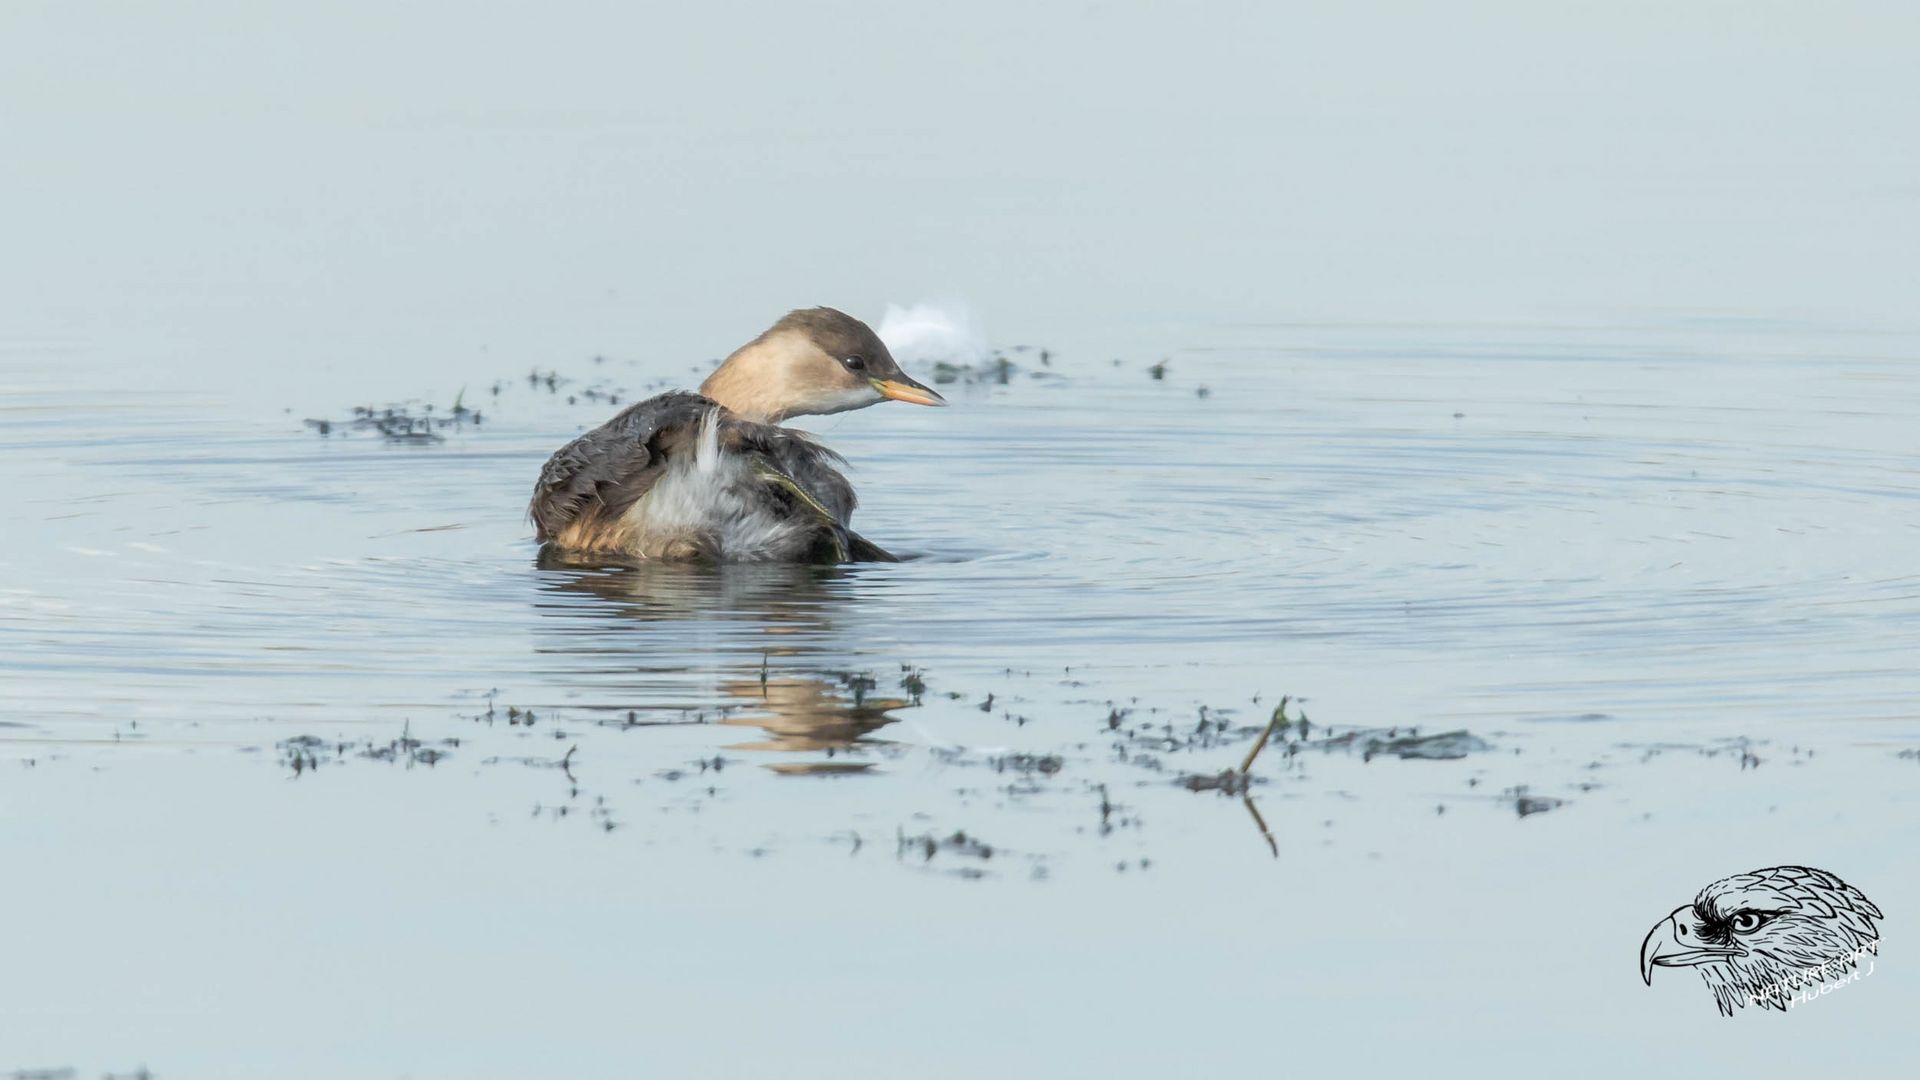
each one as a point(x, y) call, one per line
point(341, 182)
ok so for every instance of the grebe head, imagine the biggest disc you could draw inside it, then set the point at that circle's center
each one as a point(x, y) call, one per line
point(812, 362)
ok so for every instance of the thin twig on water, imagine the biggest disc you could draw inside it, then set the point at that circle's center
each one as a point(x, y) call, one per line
point(1262, 822)
point(1279, 718)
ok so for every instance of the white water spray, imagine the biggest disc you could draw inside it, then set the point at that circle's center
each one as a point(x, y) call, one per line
point(930, 332)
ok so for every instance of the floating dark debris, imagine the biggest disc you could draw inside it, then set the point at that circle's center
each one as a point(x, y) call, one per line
point(1226, 782)
point(407, 423)
point(1238, 781)
point(912, 680)
point(1044, 764)
point(1526, 804)
point(1445, 746)
point(1407, 744)
point(926, 845)
point(306, 753)
point(858, 684)
point(997, 370)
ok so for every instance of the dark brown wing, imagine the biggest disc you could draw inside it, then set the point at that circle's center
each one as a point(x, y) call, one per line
point(816, 468)
point(605, 471)
point(808, 463)
point(601, 474)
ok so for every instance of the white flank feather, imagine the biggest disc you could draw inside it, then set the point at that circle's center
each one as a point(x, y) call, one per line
point(716, 502)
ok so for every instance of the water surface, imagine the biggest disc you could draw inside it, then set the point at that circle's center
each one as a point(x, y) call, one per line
point(1544, 377)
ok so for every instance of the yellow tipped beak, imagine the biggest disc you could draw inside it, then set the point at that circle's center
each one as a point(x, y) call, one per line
point(905, 389)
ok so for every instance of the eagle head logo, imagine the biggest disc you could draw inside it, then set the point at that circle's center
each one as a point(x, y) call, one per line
point(1763, 937)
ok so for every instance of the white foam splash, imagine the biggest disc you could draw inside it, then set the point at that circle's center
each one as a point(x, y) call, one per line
point(933, 331)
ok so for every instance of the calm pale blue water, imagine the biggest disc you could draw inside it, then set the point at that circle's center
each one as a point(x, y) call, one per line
point(1543, 373)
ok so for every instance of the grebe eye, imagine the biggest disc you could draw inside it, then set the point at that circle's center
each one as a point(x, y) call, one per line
point(1745, 922)
point(855, 363)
